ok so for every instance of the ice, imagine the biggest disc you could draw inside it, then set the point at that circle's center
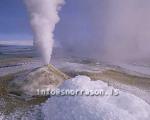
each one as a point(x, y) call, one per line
point(123, 107)
point(20, 67)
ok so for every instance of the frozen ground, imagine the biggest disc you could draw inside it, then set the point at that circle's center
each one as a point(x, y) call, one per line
point(14, 59)
point(20, 66)
point(125, 106)
point(136, 68)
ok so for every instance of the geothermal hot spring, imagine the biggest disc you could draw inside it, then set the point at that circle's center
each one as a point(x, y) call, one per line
point(119, 68)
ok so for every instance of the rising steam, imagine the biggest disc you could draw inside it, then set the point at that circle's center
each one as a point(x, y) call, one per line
point(107, 30)
point(43, 18)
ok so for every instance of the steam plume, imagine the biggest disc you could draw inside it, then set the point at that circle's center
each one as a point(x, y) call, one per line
point(43, 18)
point(107, 30)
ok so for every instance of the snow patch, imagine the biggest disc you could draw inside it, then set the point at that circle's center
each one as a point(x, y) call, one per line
point(123, 107)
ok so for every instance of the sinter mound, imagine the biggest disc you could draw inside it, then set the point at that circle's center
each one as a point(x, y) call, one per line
point(40, 78)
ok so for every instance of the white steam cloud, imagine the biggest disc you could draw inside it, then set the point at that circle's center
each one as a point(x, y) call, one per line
point(127, 35)
point(43, 18)
point(107, 30)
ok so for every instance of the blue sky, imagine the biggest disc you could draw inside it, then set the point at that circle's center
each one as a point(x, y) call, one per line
point(14, 23)
point(75, 24)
